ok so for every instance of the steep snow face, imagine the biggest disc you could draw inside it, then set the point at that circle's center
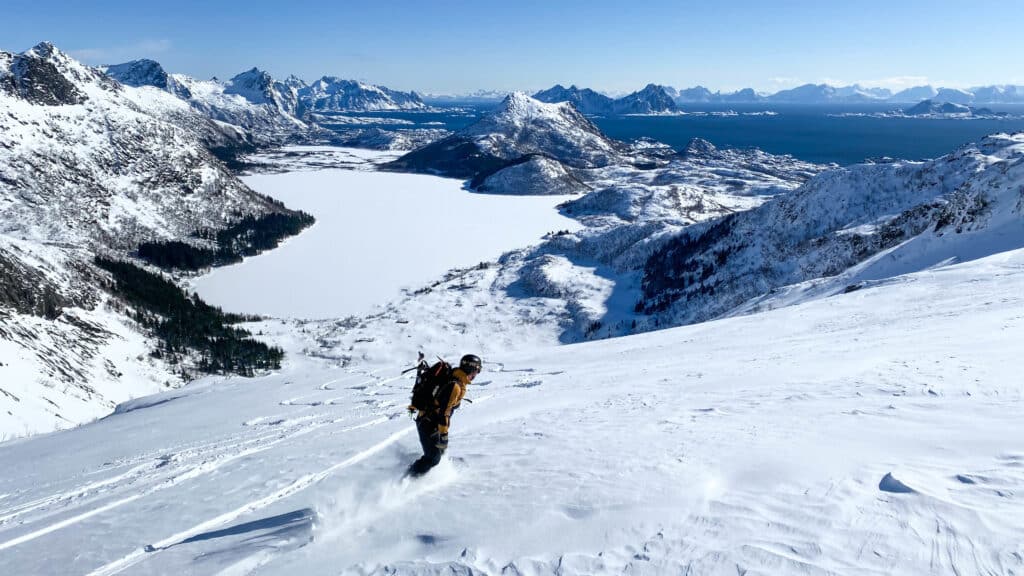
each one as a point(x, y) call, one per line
point(870, 433)
point(109, 171)
point(268, 117)
point(862, 223)
point(331, 94)
point(258, 87)
point(250, 110)
point(146, 73)
point(46, 76)
point(259, 108)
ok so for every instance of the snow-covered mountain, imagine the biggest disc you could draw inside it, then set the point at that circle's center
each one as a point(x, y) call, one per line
point(253, 101)
point(258, 87)
point(146, 73)
point(585, 100)
point(998, 94)
point(858, 93)
point(399, 140)
point(90, 166)
point(824, 93)
point(332, 94)
point(934, 108)
point(652, 99)
point(844, 229)
point(915, 94)
point(591, 102)
point(694, 94)
point(954, 95)
point(806, 94)
point(480, 96)
point(262, 109)
point(520, 127)
point(85, 159)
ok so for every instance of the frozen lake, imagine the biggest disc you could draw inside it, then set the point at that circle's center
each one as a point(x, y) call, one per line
point(376, 233)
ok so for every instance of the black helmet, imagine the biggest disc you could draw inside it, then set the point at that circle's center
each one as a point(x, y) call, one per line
point(471, 363)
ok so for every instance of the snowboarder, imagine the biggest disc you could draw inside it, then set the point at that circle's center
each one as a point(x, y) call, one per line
point(434, 414)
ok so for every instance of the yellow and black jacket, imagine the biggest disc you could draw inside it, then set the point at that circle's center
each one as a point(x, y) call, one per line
point(442, 413)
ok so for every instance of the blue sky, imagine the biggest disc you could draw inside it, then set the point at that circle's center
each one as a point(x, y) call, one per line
point(617, 46)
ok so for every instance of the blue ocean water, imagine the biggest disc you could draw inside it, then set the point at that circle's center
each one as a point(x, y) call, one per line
point(840, 134)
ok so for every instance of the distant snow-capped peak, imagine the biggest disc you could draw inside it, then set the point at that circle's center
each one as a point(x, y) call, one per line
point(333, 94)
point(258, 87)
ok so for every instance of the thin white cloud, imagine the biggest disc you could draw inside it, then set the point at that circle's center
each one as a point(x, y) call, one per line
point(784, 82)
point(147, 48)
point(897, 82)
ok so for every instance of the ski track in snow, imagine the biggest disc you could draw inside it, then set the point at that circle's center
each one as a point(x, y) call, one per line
point(154, 472)
point(298, 485)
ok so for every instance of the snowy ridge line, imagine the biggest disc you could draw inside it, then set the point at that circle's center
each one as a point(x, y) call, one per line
point(302, 483)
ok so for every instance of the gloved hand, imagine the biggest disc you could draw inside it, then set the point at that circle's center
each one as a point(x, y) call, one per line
point(440, 440)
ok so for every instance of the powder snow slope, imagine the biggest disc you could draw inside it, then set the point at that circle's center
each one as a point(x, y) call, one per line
point(868, 433)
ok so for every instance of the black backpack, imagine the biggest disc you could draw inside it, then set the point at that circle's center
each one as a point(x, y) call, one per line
point(431, 382)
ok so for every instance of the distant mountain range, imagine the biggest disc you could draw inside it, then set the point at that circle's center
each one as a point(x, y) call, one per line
point(275, 111)
point(475, 97)
point(655, 99)
point(332, 94)
point(652, 99)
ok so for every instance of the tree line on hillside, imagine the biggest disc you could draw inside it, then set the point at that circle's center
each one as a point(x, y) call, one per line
point(248, 236)
point(186, 324)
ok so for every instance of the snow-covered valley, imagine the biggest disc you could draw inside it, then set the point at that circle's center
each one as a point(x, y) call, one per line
point(873, 432)
point(377, 233)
